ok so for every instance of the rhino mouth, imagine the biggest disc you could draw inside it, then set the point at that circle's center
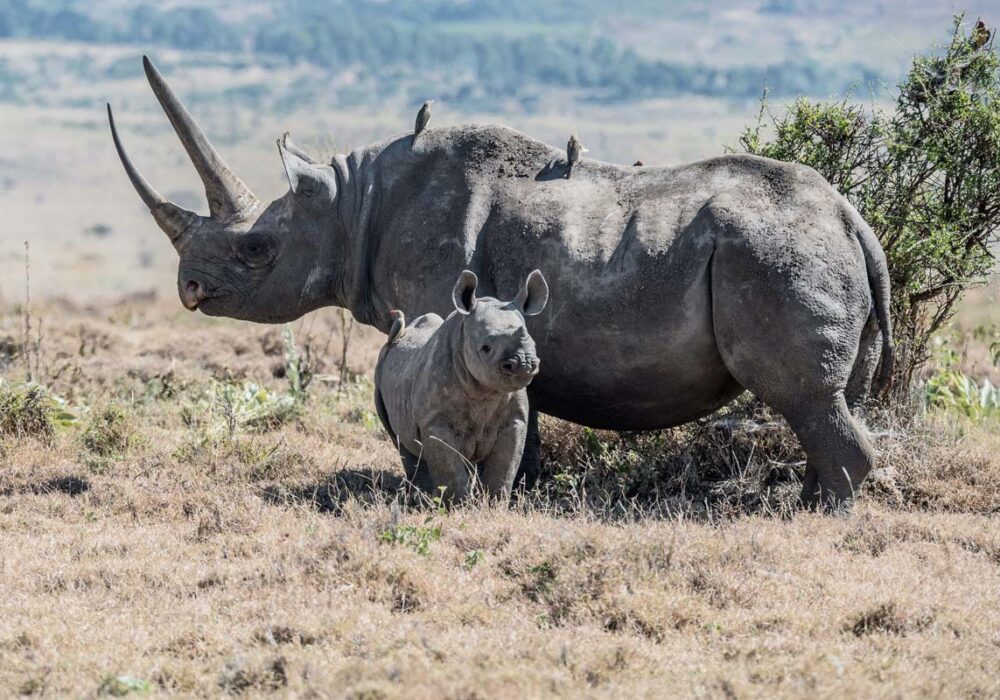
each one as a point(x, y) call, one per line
point(204, 304)
point(520, 379)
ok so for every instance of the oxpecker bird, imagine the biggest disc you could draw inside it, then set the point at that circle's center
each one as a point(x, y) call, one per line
point(398, 326)
point(574, 149)
point(980, 34)
point(423, 116)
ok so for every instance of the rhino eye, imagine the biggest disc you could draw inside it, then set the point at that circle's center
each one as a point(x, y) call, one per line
point(486, 349)
point(256, 250)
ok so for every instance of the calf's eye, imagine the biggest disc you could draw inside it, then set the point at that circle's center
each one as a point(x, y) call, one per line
point(486, 349)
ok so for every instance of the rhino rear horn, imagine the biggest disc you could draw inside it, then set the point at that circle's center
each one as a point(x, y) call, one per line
point(228, 198)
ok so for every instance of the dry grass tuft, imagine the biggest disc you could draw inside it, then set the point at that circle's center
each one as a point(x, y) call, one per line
point(887, 618)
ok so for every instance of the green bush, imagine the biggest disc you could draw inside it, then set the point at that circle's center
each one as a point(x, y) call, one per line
point(29, 410)
point(107, 432)
point(924, 174)
point(25, 411)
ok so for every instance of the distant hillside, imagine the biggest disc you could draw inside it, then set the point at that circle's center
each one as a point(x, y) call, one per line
point(477, 51)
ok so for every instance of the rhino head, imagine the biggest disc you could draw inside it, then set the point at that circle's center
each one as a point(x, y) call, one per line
point(245, 260)
point(496, 347)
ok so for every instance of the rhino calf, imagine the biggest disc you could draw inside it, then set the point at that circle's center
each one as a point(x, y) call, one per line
point(451, 393)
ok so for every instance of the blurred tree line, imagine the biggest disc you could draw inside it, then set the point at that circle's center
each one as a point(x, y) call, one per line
point(500, 45)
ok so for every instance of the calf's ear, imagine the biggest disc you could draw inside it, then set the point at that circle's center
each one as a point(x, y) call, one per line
point(534, 294)
point(464, 293)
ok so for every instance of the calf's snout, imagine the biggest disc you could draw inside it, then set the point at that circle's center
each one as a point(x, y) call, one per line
point(519, 365)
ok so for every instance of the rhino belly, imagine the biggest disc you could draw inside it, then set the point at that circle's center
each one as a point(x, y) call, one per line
point(644, 398)
point(653, 368)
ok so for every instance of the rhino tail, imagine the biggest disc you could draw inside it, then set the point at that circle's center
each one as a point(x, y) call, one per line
point(398, 326)
point(878, 280)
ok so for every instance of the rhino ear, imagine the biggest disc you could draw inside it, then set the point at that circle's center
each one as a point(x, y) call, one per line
point(464, 293)
point(534, 294)
point(306, 179)
point(286, 142)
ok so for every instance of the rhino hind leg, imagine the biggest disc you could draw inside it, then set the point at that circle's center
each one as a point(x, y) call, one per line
point(859, 386)
point(792, 339)
point(839, 455)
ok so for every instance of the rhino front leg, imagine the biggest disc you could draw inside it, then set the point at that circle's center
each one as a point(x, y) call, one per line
point(500, 467)
point(447, 468)
point(531, 458)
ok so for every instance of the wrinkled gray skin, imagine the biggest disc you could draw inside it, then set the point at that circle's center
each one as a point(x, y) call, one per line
point(451, 395)
point(675, 289)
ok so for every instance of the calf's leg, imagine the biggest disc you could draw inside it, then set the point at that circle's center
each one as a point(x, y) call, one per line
point(447, 468)
point(500, 466)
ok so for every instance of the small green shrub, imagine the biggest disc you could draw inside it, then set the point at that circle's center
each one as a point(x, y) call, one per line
point(298, 370)
point(473, 557)
point(253, 406)
point(951, 389)
point(417, 537)
point(29, 410)
point(225, 408)
point(107, 432)
point(954, 390)
point(120, 686)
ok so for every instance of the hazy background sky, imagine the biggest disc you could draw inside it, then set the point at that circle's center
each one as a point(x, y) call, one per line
point(666, 82)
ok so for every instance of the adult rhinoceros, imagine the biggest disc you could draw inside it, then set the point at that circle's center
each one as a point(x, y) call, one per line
point(673, 289)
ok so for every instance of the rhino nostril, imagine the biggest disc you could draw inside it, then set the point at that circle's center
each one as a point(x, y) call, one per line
point(192, 295)
point(509, 366)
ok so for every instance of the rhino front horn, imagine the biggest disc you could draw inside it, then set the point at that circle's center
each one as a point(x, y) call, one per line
point(228, 198)
point(173, 219)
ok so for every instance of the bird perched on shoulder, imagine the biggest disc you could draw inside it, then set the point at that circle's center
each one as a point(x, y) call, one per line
point(574, 149)
point(398, 326)
point(423, 116)
point(638, 164)
point(980, 34)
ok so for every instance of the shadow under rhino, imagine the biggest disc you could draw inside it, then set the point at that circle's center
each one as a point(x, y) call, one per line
point(364, 486)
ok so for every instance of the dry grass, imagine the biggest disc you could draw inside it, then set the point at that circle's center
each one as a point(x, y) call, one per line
point(165, 544)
